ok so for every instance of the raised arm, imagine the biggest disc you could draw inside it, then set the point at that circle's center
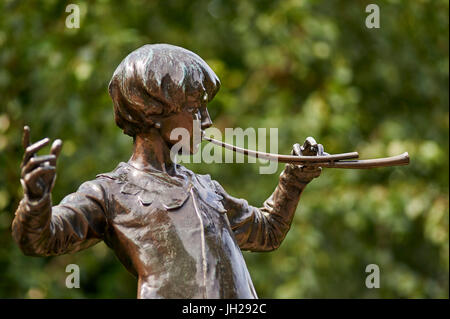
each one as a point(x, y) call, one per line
point(263, 229)
point(42, 230)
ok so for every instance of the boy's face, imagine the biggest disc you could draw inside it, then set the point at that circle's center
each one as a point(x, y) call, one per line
point(185, 119)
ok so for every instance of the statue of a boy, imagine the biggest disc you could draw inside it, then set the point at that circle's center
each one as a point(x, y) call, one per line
point(180, 233)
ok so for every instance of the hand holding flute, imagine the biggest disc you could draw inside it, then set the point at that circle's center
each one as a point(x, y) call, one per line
point(306, 173)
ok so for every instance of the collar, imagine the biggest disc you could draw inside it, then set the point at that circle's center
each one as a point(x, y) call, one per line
point(158, 187)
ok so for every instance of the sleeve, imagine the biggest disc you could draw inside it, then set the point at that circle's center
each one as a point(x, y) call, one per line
point(78, 222)
point(263, 229)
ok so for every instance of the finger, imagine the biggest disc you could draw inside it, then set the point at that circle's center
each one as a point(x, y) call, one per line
point(26, 136)
point(305, 145)
point(38, 160)
point(56, 148)
point(311, 141)
point(309, 148)
point(36, 185)
point(296, 149)
point(24, 186)
point(41, 172)
point(317, 172)
point(308, 173)
point(35, 147)
point(32, 149)
point(320, 150)
point(314, 171)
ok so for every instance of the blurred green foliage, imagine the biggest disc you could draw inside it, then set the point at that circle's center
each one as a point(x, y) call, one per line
point(310, 68)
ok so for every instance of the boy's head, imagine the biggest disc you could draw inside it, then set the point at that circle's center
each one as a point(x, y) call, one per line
point(156, 81)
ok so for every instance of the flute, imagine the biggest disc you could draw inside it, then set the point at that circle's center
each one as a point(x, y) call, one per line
point(329, 161)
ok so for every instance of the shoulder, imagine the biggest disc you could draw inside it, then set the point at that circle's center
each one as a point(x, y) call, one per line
point(120, 173)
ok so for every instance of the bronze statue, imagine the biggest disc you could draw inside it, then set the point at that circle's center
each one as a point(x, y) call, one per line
point(178, 232)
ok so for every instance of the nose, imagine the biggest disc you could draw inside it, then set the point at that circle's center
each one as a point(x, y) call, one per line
point(206, 120)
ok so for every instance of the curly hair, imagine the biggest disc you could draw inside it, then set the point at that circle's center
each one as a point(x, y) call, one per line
point(158, 80)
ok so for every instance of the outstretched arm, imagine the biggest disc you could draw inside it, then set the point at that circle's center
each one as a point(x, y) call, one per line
point(263, 229)
point(42, 230)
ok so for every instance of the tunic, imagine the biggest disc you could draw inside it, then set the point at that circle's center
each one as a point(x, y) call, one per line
point(180, 236)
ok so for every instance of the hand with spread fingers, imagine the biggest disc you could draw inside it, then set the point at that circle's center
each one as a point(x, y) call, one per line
point(38, 172)
point(310, 148)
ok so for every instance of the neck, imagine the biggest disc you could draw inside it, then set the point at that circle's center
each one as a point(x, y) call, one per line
point(152, 153)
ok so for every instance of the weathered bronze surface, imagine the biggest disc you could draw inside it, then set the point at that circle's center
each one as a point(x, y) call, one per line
point(178, 232)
